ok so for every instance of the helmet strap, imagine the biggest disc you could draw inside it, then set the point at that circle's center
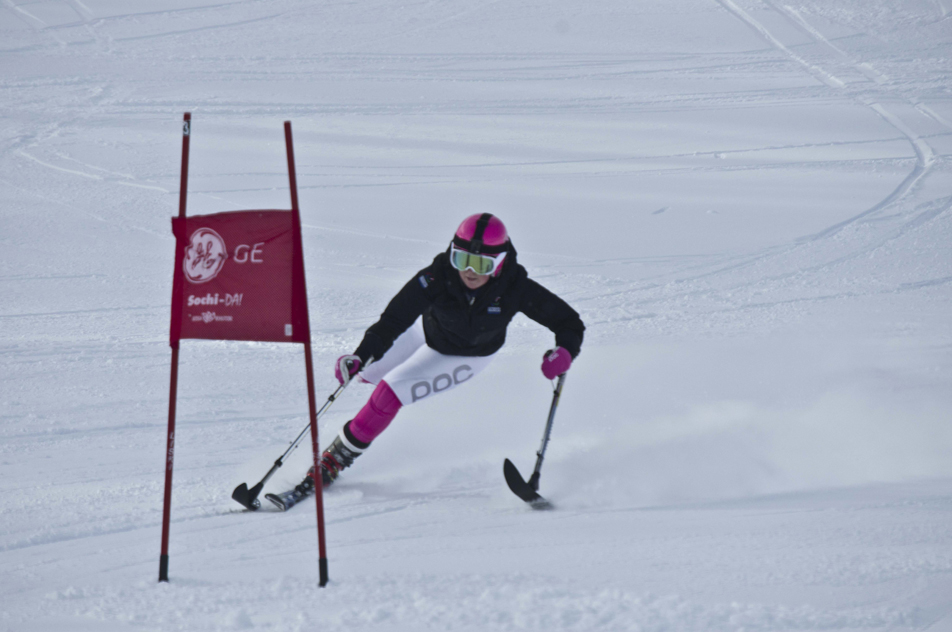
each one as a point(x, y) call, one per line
point(476, 243)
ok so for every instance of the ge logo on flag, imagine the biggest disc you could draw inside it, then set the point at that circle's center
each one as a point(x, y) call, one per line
point(204, 256)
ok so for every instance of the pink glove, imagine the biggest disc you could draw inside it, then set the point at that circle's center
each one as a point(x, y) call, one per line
point(555, 362)
point(346, 367)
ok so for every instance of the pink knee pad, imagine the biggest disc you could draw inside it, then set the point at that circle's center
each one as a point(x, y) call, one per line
point(376, 414)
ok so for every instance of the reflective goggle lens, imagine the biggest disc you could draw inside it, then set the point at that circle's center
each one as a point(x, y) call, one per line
point(480, 264)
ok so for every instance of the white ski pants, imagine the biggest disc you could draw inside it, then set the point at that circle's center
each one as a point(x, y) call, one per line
point(414, 371)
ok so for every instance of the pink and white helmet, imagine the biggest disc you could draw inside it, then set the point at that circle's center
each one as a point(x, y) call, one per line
point(483, 233)
point(480, 244)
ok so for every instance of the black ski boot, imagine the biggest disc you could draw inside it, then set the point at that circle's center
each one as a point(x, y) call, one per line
point(340, 455)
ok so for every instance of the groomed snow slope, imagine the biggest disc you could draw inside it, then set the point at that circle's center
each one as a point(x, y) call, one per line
point(748, 201)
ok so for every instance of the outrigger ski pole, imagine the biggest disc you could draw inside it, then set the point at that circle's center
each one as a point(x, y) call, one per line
point(529, 491)
point(249, 497)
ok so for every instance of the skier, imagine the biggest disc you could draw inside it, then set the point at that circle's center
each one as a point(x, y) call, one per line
point(442, 329)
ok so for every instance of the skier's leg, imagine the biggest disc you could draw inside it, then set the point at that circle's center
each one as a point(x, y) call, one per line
point(403, 347)
point(376, 414)
point(428, 372)
point(424, 373)
point(356, 435)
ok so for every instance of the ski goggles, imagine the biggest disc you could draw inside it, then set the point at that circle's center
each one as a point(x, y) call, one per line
point(480, 264)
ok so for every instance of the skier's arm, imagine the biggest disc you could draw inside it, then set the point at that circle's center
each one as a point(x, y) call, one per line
point(400, 313)
point(549, 310)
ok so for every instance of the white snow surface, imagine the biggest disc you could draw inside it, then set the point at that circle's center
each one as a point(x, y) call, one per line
point(748, 201)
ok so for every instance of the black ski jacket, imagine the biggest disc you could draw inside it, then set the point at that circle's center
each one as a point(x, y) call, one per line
point(454, 326)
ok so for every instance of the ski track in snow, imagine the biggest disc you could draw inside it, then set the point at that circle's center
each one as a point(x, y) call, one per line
point(925, 159)
point(748, 200)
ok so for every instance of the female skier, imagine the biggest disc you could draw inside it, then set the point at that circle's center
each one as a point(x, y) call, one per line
point(444, 327)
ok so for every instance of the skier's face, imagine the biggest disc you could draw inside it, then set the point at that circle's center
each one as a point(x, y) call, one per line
point(472, 280)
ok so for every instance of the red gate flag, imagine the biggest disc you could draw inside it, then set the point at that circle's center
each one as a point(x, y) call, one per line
point(239, 276)
point(236, 278)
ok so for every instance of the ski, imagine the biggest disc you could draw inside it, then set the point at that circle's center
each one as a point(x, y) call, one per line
point(522, 489)
point(285, 500)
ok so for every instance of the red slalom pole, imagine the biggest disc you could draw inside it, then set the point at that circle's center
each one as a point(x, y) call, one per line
point(300, 288)
point(169, 458)
point(174, 342)
point(318, 483)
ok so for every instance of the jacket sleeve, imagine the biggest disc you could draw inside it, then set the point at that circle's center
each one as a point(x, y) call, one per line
point(549, 310)
point(401, 312)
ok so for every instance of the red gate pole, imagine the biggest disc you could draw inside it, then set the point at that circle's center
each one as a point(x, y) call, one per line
point(308, 361)
point(174, 343)
point(318, 483)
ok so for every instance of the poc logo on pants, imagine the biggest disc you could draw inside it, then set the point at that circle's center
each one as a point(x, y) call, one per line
point(441, 382)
